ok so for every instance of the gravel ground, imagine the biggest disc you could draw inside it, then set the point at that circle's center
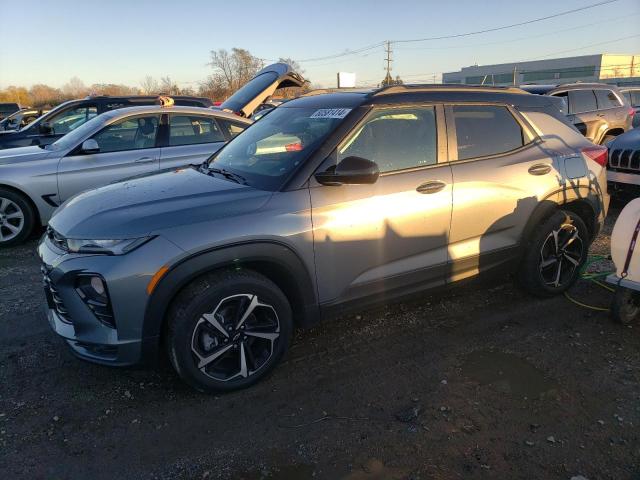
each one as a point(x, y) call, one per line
point(477, 382)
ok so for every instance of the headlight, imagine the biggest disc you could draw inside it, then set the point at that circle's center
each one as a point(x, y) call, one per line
point(105, 247)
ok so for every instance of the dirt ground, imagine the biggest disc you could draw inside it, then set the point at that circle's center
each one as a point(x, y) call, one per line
point(476, 382)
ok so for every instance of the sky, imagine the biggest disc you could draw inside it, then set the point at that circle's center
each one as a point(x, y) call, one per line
point(122, 41)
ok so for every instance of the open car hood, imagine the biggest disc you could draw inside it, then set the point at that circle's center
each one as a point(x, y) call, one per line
point(261, 87)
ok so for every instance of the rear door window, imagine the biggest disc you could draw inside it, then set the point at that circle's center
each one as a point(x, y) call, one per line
point(582, 101)
point(607, 99)
point(483, 130)
point(193, 129)
point(635, 98)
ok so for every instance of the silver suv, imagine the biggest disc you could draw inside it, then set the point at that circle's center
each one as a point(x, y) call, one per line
point(332, 201)
point(112, 146)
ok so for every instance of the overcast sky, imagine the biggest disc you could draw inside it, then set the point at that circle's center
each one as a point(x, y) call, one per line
point(121, 41)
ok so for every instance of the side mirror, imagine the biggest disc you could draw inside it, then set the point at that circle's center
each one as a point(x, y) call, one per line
point(90, 146)
point(350, 171)
point(46, 128)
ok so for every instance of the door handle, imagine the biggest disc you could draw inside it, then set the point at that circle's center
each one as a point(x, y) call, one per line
point(145, 160)
point(540, 169)
point(600, 114)
point(432, 186)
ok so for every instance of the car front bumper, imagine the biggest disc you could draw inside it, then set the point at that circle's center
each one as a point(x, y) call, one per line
point(126, 278)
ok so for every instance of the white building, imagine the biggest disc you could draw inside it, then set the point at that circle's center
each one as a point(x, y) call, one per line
point(606, 68)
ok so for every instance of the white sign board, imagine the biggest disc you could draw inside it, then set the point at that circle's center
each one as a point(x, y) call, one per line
point(346, 80)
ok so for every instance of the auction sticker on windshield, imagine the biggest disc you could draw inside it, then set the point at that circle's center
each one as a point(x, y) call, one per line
point(331, 113)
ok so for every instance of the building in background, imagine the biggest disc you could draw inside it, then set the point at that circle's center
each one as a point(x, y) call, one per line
point(605, 68)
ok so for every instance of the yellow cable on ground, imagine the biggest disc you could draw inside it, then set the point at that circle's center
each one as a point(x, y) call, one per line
point(590, 307)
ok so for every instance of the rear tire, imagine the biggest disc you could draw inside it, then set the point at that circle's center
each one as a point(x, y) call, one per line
point(227, 330)
point(555, 255)
point(17, 218)
point(626, 306)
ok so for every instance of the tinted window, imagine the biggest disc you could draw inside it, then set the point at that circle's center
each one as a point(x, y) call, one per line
point(272, 148)
point(233, 128)
point(71, 119)
point(485, 130)
point(635, 98)
point(395, 139)
point(128, 134)
point(627, 96)
point(191, 129)
point(582, 101)
point(607, 99)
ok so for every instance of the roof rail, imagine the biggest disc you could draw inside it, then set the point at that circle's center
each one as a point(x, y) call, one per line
point(443, 86)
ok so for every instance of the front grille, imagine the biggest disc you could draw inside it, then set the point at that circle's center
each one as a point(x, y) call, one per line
point(56, 239)
point(53, 297)
point(627, 159)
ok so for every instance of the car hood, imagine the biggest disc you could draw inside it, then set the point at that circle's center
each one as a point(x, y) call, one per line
point(146, 205)
point(22, 154)
point(626, 141)
point(256, 91)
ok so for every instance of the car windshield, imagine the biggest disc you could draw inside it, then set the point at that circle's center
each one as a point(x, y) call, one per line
point(74, 137)
point(265, 154)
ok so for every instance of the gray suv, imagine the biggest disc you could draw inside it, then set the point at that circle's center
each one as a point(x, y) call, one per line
point(599, 111)
point(333, 201)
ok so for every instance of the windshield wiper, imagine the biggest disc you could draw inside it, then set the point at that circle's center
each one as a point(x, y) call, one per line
point(226, 174)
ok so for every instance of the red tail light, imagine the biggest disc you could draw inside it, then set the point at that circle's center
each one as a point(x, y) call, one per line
point(632, 112)
point(293, 147)
point(597, 153)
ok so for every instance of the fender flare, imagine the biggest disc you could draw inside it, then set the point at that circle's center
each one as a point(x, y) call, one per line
point(274, 255)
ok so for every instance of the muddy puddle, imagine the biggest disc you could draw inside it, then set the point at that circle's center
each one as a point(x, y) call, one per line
point(507, 373)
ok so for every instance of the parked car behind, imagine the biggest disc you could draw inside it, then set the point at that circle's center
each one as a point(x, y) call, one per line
point(632, 95)
point(330, 202)
point(112, 146)
point(70, 115)
point(7, 109)
point(21, 118)
point(599, 111)
point(624, 163)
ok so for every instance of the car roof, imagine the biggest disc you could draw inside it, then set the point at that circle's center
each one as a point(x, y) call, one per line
point(396, 94)
point(127, 111)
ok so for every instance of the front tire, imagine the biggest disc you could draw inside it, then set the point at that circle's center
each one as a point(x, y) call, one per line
point(228, 330)
point(555, 255)
point(17, 218)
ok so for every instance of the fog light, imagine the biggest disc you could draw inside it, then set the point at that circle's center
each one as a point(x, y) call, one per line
point(92, 289)
point(98, 285)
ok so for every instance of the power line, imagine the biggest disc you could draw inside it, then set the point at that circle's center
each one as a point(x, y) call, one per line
point(459, 35)
point(504, 27)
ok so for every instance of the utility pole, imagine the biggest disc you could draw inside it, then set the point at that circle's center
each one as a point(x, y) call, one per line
point(515, 73)
point(388, 80)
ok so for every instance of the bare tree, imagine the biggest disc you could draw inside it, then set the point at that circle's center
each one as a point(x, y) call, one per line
point(149, 85)
point(74, 88)
point(167, 86)
point(44, 95)
point(232, 69)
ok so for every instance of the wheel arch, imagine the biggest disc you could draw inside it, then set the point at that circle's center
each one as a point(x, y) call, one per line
point(276, 261)
point(580, 206)
point(36, 210)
